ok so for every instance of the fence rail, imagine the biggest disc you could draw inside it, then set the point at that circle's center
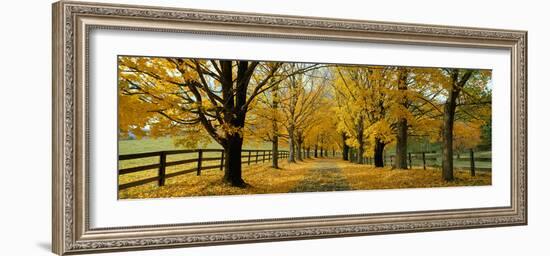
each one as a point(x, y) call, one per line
point(248, 157)
point(431, 159)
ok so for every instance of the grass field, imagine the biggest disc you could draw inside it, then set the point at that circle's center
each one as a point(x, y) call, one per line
point(166, 143)
point(307, 176)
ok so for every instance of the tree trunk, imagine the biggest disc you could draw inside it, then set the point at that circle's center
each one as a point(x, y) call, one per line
point(401, 145)
point(275, 152)
point(402, 126)
point(292, 120)
point(360, 152)
point(299, 153)
point(448, 123)
point(234, 114)
point(321, 151)
point(379, 153)
point(361, 148)
point(345, 148)
point(316, 148)
point(275, 127)
point(307, 152)
point(232, 167)
point(291, 145)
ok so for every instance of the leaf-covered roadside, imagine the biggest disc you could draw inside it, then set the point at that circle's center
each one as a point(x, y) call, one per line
point(266, 180)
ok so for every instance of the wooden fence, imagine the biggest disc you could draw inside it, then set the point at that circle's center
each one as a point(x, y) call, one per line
point(247, 157)
point(424, 159)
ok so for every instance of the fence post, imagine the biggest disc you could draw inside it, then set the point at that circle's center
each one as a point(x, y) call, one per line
point(162, 169)
point(424, 160)
point(256, 157)
point(248, 157)
point(199, 163)
point(472, 163)
point(221, 161)
point(410, 161)
point(263, 156)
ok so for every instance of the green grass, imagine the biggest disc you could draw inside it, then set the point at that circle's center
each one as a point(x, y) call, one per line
point(167, 143)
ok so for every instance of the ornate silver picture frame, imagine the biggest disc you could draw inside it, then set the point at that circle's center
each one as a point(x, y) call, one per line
point(72, 24)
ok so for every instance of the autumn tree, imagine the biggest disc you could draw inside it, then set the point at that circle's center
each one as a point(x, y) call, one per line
point(273, 115)
point(410, 109)
point(323, 134)
point(466, 97)
point(193, 98)
point(364, 97)
point(301, 96)
point(275, 128)
point(263, 122)
point(345, 147)
point(349, 83)
point(466, 135)
point(402, 125)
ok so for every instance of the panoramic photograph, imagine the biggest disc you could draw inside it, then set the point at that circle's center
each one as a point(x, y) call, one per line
point(214, 127)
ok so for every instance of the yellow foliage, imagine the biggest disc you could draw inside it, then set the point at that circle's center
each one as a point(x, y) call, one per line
point(177, 97)
point(261, 178)
point(466, 135)
point(361, 177)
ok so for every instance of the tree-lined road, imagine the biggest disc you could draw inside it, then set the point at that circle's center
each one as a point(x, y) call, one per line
point(359, 110)
point(325, 175)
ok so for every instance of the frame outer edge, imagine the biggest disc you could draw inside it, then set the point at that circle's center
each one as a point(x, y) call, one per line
point(65, 239)
point(57, 130)
point(525, 137)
